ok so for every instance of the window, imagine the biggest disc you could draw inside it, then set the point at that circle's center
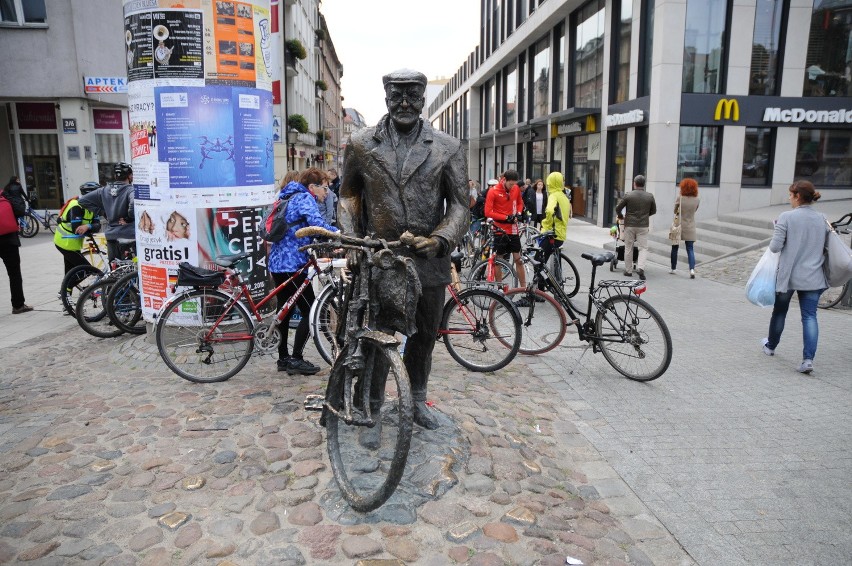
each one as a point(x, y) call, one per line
point(828, 67)
point(23, 12)
point(698, 153)
point(110, 150)
point(541, 78)
point(559, 70)
point(621, 49)
point(588, 55)
point(757, 156)
point(640, 153)
point(522, 88)
point(617, 171)
point(824, 157)
point(704, 45)
point(510, 113)
point(647, 43)
point(765, 70)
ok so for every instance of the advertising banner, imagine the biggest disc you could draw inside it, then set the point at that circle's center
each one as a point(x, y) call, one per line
point(200, 113)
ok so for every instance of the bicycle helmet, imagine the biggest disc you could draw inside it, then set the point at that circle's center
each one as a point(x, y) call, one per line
point(86, 188)
point(122, 170)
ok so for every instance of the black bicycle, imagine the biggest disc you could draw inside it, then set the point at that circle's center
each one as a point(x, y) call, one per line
point(629, 332)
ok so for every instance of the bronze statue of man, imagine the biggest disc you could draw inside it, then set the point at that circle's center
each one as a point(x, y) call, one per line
point(404, 176)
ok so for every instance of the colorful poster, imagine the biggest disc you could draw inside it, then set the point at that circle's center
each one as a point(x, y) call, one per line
point(201, 130)
point(178, 44)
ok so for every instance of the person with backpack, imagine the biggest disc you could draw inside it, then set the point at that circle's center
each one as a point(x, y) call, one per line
point(75, 222)
point(297, 208)
point(12, 207)
point(115, 201)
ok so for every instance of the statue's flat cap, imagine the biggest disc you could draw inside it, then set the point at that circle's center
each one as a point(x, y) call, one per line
point(403, 76)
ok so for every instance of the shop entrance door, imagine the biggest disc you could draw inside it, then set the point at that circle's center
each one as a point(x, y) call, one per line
point(48, 182)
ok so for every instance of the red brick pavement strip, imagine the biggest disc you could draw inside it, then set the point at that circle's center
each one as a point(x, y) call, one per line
point(97, 459)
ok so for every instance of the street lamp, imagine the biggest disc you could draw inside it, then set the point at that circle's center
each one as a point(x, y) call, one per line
point(292, 138)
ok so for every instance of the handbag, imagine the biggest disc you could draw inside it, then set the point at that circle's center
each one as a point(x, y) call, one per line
point(760, 289)
point(838, 259)
point(675, 230)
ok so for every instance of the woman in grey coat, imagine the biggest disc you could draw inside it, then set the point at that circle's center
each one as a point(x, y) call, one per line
point(685, 206)
point(800, 238)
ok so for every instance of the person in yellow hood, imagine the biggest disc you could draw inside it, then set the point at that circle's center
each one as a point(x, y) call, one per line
point(556, 214)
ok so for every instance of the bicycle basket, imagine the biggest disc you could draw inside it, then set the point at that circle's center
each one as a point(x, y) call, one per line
point(395, 292)
point(193, 276)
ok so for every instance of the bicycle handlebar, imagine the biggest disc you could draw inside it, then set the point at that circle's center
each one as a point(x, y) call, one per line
point(318, 232)
point(839, 223)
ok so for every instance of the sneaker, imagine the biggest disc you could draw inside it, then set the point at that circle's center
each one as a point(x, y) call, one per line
point(522, 302)
point(672, 271)
point(692, 274)
point(283, 363)
point(766, 349)
point(301, 367)
point(22, 309)
point(628, 273)
point(806, 367)
point(641, 274)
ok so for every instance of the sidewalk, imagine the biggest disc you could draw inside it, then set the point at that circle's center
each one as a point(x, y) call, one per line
point(729, 458)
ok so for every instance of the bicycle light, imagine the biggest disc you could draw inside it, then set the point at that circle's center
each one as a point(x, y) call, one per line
point(640, 289)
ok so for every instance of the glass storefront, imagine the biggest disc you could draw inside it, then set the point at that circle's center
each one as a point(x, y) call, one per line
point(824, 157)
point(757, 156)
point(42, 171)
point(698, 153)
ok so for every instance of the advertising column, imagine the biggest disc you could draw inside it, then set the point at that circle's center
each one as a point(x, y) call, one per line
point(199, 90)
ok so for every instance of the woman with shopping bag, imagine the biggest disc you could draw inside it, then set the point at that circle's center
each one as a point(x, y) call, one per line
point(799, 239)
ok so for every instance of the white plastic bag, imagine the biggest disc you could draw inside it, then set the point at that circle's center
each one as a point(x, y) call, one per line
point(760, 289)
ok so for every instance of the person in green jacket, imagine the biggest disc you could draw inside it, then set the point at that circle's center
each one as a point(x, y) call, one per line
point(556, 214)
point(75, 222)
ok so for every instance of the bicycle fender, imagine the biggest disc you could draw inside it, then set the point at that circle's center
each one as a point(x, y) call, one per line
point(378, 338)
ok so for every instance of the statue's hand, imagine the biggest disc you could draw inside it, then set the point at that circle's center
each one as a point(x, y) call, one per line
point(353, 260)
point(425, 247)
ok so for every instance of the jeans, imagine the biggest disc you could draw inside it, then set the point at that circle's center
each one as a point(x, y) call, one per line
point(810, 328)
point(690, 255)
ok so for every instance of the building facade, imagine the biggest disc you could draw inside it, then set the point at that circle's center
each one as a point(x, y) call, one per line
point(743, 96)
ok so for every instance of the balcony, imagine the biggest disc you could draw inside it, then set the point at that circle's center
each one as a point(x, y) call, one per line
point(290, 64)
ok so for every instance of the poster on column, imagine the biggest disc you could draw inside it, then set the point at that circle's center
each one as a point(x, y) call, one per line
point(238, 45)
point(165, 237)
point(200, 130)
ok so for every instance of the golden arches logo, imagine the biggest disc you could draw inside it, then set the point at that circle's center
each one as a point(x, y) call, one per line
point(727, 108)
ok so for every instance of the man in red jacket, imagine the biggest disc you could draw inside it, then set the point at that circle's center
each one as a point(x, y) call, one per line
point(504, 205)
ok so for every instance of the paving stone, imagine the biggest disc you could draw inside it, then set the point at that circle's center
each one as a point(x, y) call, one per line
point(321, 540)
point(403, 548)
point(188, 535)
point(227, 527)
point(308, 513)
point(360, 547)
point(264, 523)
point(500, 531)
point(146, 538)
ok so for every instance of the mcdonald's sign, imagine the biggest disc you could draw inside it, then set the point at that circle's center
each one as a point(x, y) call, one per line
point(727, 109)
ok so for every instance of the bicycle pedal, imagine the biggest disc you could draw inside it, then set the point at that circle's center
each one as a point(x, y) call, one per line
point(314, 402)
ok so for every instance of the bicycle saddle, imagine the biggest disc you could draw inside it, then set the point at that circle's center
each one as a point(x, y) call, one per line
point(598, 259)
point(230, 260)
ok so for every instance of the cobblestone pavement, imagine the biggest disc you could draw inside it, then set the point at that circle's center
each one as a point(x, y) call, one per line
point(731, 457)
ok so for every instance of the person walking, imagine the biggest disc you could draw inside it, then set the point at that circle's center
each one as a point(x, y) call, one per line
point(639, 206)
point(115, 201)
point(799, 237)
point(12, 207)
point(535, 200)
point(685, 207)
point(285, 260)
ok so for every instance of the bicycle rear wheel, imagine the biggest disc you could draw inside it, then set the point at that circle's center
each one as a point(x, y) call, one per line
point(124, 305)
point(75, 282)
point(29, 226)
point(52, 222)
point(367, 478)
point(543, 321)
point(832, 296)
point(479, 273)
point(325, 318)
point(202, 339)
point(633, 338)
point(482, 330)
point(564, 273)
point(91, 310)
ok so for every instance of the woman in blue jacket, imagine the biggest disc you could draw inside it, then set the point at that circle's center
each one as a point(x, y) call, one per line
point(285, 259)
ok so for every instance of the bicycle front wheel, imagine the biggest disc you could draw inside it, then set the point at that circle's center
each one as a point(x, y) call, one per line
point(28, 226)
point(325, 318)
point(633, 338)
point(480, 273)
point(75, 282)
point(543, 320)
point(832, 296)
point(368, 477)
point(204, 338)
point(564, 273)
point(124, 305)
point(481, 330)
point(52, 222)
point(91, 310)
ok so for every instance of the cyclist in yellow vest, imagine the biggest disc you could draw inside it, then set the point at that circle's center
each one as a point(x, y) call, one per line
point(75, 221)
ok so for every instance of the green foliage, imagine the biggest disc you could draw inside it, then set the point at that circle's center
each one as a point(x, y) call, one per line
point(298, 122)
point(322, 85)
point(295, 48)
